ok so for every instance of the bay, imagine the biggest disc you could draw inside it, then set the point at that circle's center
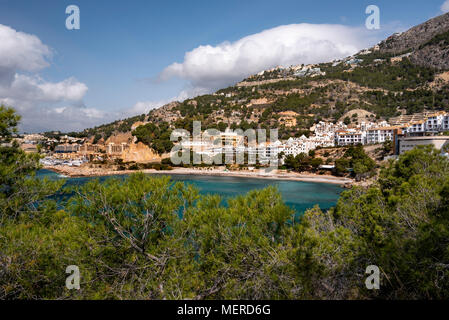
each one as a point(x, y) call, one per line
point(297, 194)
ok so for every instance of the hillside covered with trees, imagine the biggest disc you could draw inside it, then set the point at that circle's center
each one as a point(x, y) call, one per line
point(150, 238)
point(388, 80)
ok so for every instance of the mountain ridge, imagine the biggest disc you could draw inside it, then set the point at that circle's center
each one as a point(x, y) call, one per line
point(398, 75)
point(418, 39)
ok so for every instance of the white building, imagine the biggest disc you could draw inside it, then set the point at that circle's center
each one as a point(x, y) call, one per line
point(295, 146)
point(416, 127)
point(349, 137)
point(321, 141)
point(380, 135)
point(445, 125)
point(420, 123)
point(434, 122)
point(327, 128)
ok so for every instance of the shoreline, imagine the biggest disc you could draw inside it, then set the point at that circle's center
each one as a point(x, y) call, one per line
point(79, 172)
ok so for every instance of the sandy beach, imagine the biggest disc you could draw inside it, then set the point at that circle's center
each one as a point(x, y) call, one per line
point(84, 171)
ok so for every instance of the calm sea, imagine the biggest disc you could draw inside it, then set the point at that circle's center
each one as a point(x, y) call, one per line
point(298, 195)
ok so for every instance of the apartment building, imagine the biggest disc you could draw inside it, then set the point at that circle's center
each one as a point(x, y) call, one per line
point(434, 122)
point(416, 127)
point(349, 137)
point(268, 152)
point(445, 123)
point(321, 141)
point(295, 146)
point(380, 135)
point(327, 128)
point(420, 123)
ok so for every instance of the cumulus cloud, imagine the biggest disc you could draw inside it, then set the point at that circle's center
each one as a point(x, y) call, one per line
point(74, 116)
point(66, 118)
point(43, 105)
point(211, 67)
point(34, 88)
point(445, 6)
point(20, 51)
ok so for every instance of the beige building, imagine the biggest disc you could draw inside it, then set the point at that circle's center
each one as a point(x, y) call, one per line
point(116, 150)
point(29, 148)
point(407, 144)
point(89, 148)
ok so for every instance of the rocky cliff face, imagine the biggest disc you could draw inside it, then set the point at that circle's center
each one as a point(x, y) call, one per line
point(427, 49)
point(432, 56)
point(138, 152)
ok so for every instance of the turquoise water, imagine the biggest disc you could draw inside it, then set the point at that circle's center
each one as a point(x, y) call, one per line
point(296, 194)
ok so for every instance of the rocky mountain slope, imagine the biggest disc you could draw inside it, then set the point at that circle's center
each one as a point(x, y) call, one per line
point(405, 73)
point(428, 42)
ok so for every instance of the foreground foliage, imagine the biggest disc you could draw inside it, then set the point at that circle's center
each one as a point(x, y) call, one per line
point(150, 238)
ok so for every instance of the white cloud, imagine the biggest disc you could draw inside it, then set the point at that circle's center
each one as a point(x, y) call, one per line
point(34, 88)
point(211, 67)
point(43, 105)
point(49, 116)
point(66, 118)
point(445, 6)
point(20, 51)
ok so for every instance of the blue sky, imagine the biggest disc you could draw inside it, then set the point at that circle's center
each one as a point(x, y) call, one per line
point(116, 61)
